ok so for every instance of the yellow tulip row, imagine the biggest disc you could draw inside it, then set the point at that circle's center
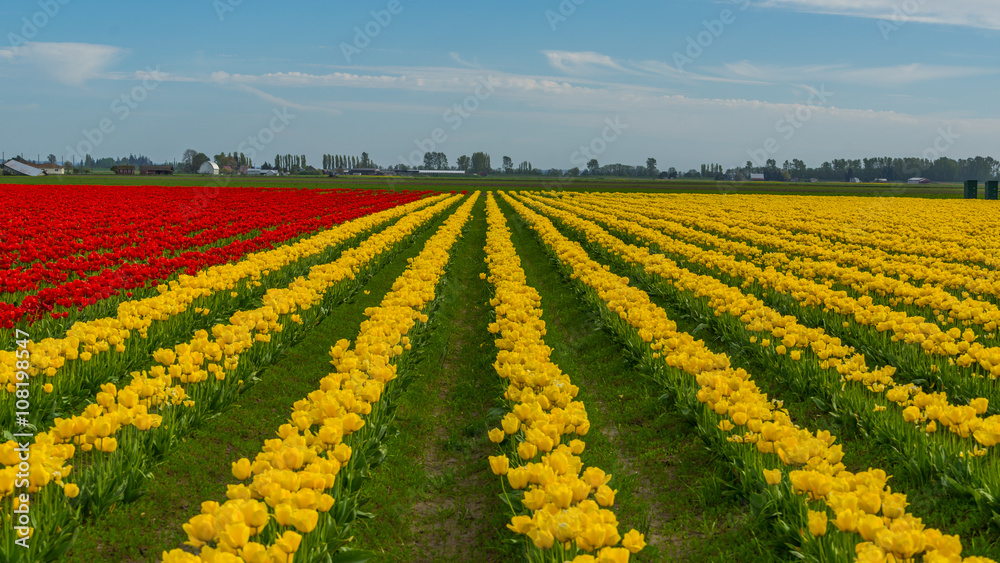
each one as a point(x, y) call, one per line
point(949, 309)
point(787, 236)
point(292, 502)
point(569, 518)
point(811, 348)
point(950, 230)
point(919, 338)
point(861, 502)
point(197, 375)
point(86, 341)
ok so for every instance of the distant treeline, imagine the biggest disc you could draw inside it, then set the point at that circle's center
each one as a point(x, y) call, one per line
point(943, 169)
point(891, 169)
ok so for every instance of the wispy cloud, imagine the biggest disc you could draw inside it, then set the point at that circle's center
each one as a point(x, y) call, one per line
point(968, 13)
point(882, 77)
point(541, 94)
point(589, 63)
point(69, 63)
point(279, 101)
point(581, 62)
point(458, 59)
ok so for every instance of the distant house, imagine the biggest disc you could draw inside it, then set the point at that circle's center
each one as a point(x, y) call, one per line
point(918, 181)
point(855, 180)
point(209, 168)
point(125, 170)
point(50, 169)
point(756, 177)
point(881, 181)
point(364, 172)
point(156, 170)
point(17, 166)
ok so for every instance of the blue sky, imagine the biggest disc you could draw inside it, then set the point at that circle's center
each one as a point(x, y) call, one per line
point(550, 81)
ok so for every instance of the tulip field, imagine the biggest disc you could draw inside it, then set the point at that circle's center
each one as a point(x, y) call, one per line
point(347, 375)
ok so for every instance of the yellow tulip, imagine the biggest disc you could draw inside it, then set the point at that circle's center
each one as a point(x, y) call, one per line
point(772, 476)
point(289, 542)
point(304, 520)
point(511, 424)
point(543, 539)
point(499, 464)
point(235, 535)
point(817, 523)
point(179, 556)
point(517, 478)
point(241, 469)
point(527, 450)
point(613, 555)
point(605, 496)
point(847, 520)
point(520, 524)
point(200, 529)
point(634, 541)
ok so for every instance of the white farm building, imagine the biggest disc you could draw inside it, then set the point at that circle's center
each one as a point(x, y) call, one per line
point(209, 169)
point(260, 172)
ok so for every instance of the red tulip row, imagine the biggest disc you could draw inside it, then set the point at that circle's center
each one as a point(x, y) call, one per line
point(74, 238)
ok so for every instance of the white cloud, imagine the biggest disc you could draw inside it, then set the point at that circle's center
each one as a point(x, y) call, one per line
point(884, 77)
point(69, 63)
point(746, 72)
point(574, 62)
point(969, 13)
point(667, 70)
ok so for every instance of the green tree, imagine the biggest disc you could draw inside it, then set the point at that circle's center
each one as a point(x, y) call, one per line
point(464, 163)
point(651, 167)
point(480, 162)
point(197, 160)
point(187, 161)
